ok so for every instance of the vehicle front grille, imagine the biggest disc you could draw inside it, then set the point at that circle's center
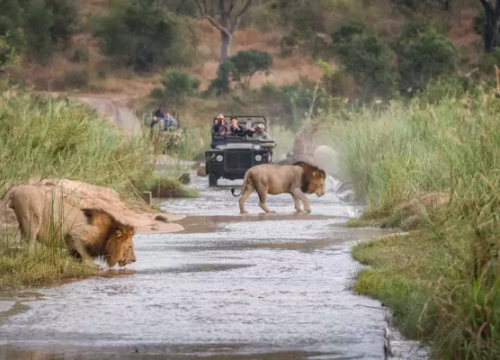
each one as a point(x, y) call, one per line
point(238, 160)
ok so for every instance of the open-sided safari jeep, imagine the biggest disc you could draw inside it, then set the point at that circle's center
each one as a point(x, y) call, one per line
point(168, 140)
point(231, 156)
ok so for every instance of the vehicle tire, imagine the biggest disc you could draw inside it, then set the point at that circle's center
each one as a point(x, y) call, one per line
point(212, 180)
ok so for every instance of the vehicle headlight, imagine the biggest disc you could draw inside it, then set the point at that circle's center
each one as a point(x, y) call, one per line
point(258, 157)
point(219, 158)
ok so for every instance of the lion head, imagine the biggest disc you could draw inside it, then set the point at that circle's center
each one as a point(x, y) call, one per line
point(120, 247)
point(313, 179)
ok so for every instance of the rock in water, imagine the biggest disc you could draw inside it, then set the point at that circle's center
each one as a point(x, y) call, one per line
point(202, 171)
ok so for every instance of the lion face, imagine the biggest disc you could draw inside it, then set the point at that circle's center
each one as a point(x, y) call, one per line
point(317, 184)
point(128, 254)
point(121, 247)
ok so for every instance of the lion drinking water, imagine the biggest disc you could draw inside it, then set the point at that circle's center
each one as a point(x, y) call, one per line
point(297, 180)
point(44, 216)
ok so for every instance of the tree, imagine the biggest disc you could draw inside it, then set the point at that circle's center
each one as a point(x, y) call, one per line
point(424, 54)
point(227, 23)
point(367, 59)
point(247, 63)
point(492, 24)
point(141, 34)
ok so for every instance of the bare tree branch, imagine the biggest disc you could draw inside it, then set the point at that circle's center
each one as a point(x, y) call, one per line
point(231, 7)
point(245, 8)
point(202, 7)
point(218, 26)
point(236, 23)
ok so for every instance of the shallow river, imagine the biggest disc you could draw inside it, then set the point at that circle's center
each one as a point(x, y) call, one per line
point(228, 287)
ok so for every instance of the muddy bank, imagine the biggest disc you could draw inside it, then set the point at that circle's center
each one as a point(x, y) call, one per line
point(84, 195)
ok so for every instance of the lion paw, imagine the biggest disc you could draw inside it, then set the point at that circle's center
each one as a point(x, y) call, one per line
point(308, 211)
point(244, 212)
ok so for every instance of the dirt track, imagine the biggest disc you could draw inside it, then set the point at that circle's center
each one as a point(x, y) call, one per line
point(119, 114)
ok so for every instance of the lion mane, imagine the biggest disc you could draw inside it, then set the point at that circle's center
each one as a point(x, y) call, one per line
point(46, 217)
point(297, 180)
point(309, 177)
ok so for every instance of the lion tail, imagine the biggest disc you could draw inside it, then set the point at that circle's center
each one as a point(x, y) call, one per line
point(245, 180)
point(5, 201)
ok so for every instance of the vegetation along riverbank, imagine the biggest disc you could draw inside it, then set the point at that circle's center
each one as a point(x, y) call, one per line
point(43, 137)
point(431, 167)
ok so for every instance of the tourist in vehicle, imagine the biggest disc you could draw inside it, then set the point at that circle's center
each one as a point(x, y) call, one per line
point(260, 133)
point(236, 129)
point(219, 128)
point(169, 122)
point(157, 117)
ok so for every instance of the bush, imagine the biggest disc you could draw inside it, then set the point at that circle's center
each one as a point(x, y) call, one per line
point(8, 53)
point(247, 63)
point(79, 54)
point(8, 58)
point(141, 34)
point(177, 85)
point(48, 25)
point(424, 54)
point(75, 78)
point(368, 59)
point(305, 19)
point(11, 21)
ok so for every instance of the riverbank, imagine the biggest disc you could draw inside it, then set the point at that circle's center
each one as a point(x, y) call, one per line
point(43, 138)
point(431, 168)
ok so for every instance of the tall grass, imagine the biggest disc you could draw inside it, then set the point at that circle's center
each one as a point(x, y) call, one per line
point(442, 282)
point(56, 138)
point(42, 138)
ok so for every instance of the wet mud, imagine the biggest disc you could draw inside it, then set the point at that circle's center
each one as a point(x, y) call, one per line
point(227, 287)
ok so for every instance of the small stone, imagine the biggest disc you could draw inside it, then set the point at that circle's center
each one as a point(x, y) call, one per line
point(162, 218)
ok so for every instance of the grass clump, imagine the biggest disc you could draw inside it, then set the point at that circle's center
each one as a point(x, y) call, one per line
point(431, 166)
point(22, 266)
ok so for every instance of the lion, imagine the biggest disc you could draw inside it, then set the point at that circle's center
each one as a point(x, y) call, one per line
point(44, 216)
point(273, 179)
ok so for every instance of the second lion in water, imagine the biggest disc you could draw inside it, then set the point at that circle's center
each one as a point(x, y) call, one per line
point(297, 180)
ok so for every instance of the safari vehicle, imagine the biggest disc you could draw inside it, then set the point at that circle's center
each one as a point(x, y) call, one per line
point(230, 156)
point(170, 139)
